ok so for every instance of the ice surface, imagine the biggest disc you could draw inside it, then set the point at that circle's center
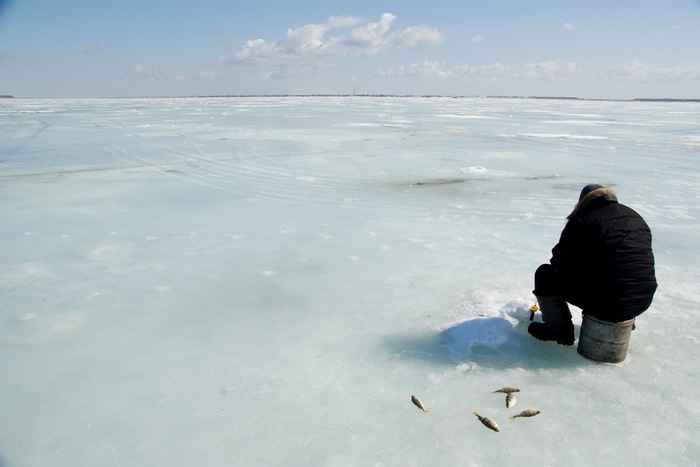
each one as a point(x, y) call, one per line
point(267, 281)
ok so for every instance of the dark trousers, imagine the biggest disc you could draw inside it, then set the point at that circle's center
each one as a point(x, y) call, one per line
point(549, 284)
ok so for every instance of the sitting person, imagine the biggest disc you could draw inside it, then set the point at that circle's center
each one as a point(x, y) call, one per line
point(603, 264)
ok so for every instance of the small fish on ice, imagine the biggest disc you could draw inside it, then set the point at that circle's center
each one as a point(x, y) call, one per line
point(525, 413)
point(507, 390)
point(418, 404)
point(488, 423)
point(510, 400)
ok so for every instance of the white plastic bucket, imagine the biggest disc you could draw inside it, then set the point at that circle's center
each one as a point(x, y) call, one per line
point(604, 341)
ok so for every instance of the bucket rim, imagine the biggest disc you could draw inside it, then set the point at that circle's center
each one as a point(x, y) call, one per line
point(627, 322)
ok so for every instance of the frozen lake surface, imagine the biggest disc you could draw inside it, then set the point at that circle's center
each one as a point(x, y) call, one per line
point(267, 281)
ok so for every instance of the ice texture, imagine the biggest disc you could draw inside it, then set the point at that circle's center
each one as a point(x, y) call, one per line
point(266, 281)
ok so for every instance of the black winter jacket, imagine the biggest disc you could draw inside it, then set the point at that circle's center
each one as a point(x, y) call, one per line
point(604, 258)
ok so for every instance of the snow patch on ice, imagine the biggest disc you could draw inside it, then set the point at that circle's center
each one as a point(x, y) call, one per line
point(476, 169)
point(491, 333)
point(463, 338)
point(563, 136)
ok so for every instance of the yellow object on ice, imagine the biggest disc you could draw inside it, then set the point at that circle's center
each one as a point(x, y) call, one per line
point(533, 310)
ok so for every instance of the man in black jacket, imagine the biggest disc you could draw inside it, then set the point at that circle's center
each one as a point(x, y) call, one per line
point(603, 264)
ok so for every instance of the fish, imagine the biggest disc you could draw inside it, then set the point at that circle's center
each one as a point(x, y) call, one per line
point(525, 413)
point(488, 423)
point(507, 390)
point(510, 400)
point(418, 404)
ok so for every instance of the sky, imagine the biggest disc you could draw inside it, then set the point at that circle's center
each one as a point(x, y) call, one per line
point(620, 49)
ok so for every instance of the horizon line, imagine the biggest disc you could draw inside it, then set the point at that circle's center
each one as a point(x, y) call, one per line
point(194, 96)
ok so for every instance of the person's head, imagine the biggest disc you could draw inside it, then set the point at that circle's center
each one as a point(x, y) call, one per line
point(591, 194)
point(587, 189)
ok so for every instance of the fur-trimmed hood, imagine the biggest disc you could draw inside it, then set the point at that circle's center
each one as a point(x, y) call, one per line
point(608, 194)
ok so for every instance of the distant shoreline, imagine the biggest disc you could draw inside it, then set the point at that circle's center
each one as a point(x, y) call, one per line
point(637, 99)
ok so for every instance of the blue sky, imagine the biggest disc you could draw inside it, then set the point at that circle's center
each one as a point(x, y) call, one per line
point(613, 49)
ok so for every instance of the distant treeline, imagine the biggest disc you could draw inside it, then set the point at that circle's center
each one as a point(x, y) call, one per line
point(638, 99)
point(452, 97)
point(445, 96)
point(666, 100)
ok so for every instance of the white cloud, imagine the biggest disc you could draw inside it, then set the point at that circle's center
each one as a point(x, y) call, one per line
point(342, 21)
point(425, 69)
point(550, 69)
point(369, 39)
point(568, 27)
point(650, 73)
point(256, 50)
point(146, 72)
point(552, 73)
point(494, 69)
point(416, 36)
point(287, 71)
point(309, 43)
point(152, 74)
point(476, 39)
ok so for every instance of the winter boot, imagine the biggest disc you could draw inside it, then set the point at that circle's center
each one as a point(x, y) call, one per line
point(557, 324)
